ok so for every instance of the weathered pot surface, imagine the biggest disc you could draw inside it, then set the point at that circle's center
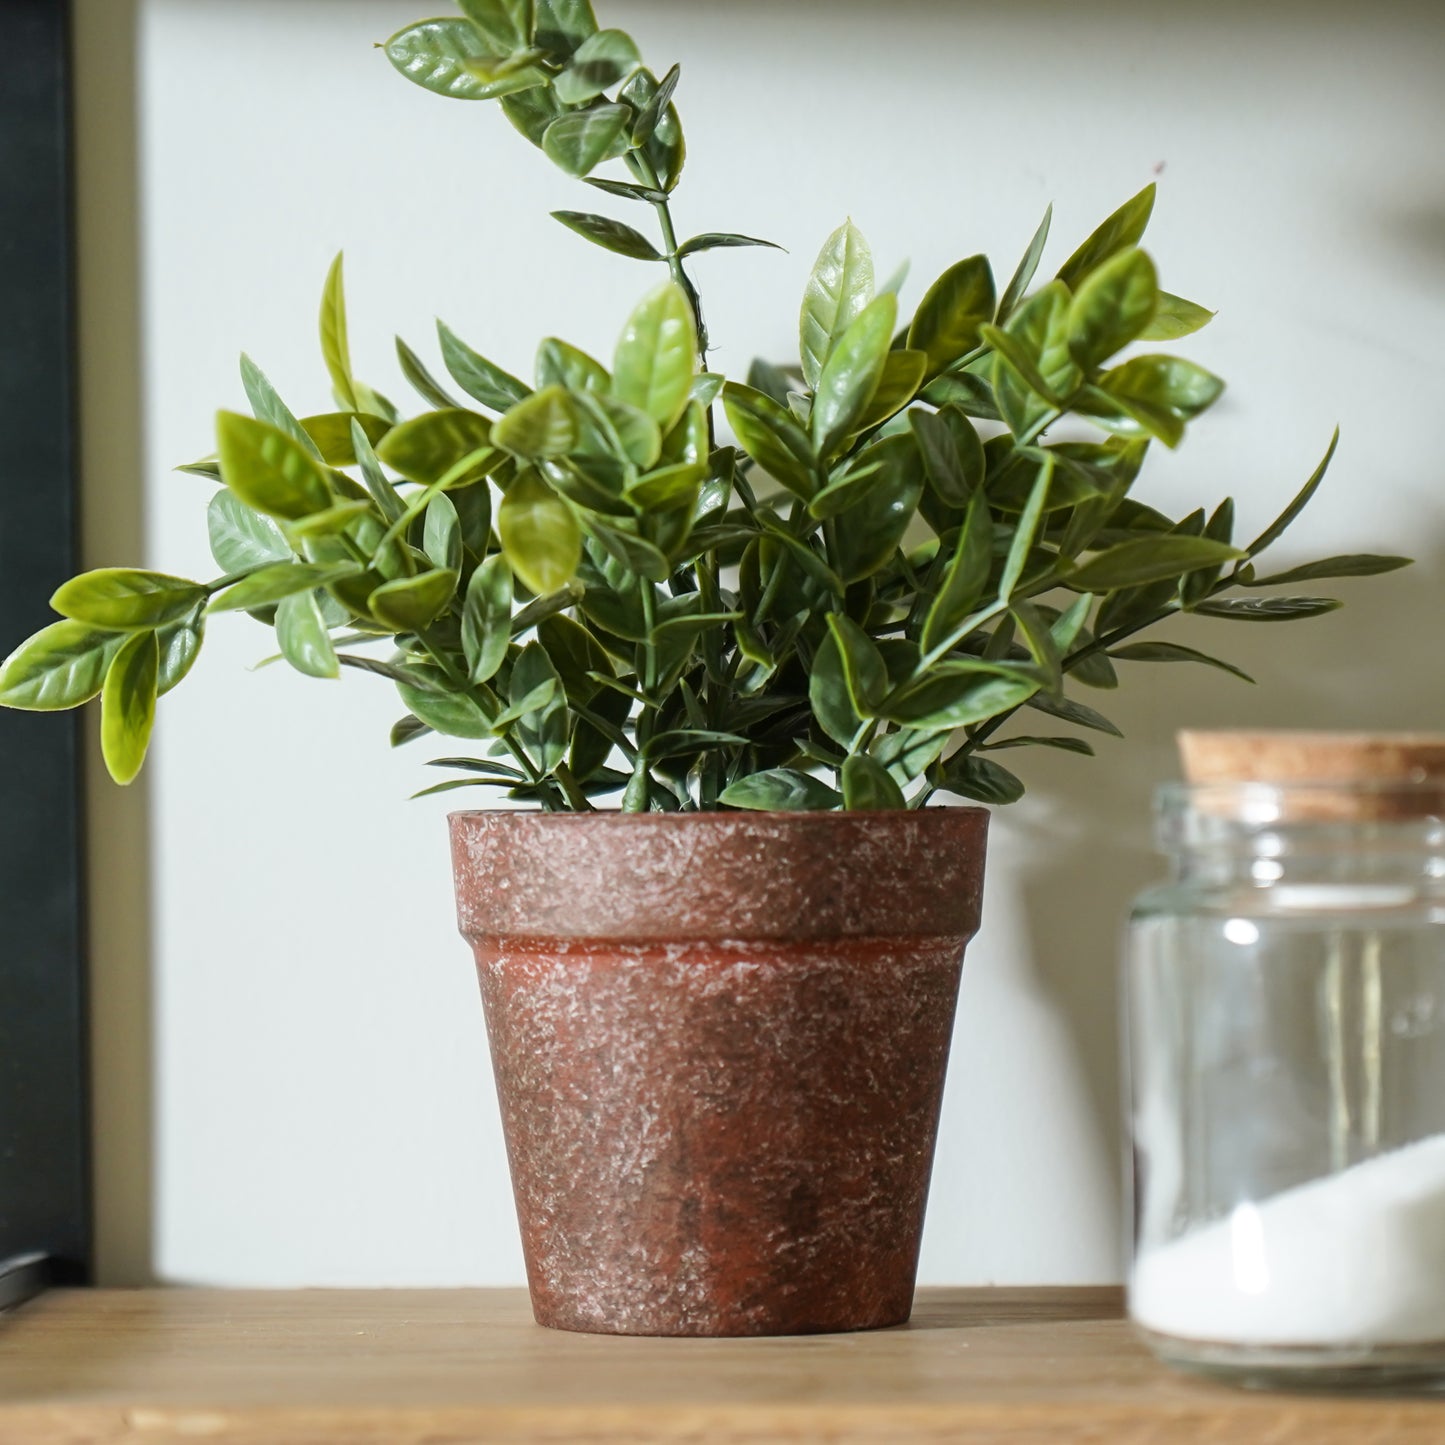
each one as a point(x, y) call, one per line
point(719, 1042)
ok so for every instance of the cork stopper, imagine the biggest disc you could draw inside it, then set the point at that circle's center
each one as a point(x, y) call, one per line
point(1328, 776)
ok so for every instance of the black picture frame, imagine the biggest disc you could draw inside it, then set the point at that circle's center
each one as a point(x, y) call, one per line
point(46, 1228)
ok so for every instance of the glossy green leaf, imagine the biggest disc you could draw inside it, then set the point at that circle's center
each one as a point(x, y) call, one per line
point(946, 324)
point(1019, 283)
point(1277, 528)
point(829, 695)
point(970, 776)
point(429, 446)
point(267, 469)
point(125, 598)
point(1112, 307)
point(1039, 369)
point(453, 714)
point(1148, 559)
point(60, 667)
point(868, 533)
point(959, 696)
point(180, 646)
point(902, 376)
point(602, 60)
point(1026, 531)
point(331, 431)
point(718, 240)
point(656, 357)
point(303, 638)
point(532, 110)
point(421, 380)
point(388, 501)
point(268, 407)
point(851, 373)
point(864, 673)
point(639, 437)
point(581, 140)
point(952, 453)
point(543, 424)
point(433, 54)
point(240, 538)
point(1173, 652)
point(543, 726)
point(335, 348)
point(1175, 317)
point(644, 128)
point(279, 580)
point(1265, 609)
point(561, 364)
point(965, 577)
point(442, 534)
point(541, 538)
point(1164, 381)
point(867, 786)
point(660, 158)
point(840, 286)
point(1123, 229)
point(128, 706)
point(1066, 709)
point(609, 234)
point(410, 603)
point(770, 436)
point(1355, 564)
point(482, 380)
point(562, 26)
point(506, 24)
point(486, 618)
point(780, 790)
point(1062, 744)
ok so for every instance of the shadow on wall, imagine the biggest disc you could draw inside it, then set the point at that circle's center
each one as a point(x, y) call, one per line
point(1373, 665)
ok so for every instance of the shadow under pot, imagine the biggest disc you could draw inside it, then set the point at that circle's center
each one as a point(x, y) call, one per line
point(720, 1042)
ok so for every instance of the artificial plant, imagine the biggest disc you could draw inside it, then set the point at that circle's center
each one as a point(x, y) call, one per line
point(885, 578)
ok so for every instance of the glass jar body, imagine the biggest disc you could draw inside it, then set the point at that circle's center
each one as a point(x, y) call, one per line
point(1286, 1023)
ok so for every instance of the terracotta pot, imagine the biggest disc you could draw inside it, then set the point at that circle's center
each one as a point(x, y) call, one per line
point(719, 1042)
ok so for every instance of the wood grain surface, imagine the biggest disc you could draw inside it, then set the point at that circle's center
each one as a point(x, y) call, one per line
point(462, 1367)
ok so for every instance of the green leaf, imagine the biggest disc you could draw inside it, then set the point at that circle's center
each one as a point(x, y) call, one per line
point(334, 520)
point(635, 553)
point(482, 380)
point(561, 364)
point(453, 714)
point(1019, 284)
point(780, 790)
point(1123, 229)
point(959, 695)
point(1064, 745)
point(717, 240)
point(575, 655)
point(1026, 531)
point(434, 53)
point(965, 578)
point(946, 325)
point(442, 534)
point(1040, 371)
point(240, 538)
point(541, 538)
point(1355, 564)
point(429, 446)
point(532, 110)
point(331, 431)
point(409, 603)
point(864, 674)
point(388, 502)
point(487, 617)
point(562, 26)
point(126, 599)
point(1112, 307)
point(1174, 318)
point(1169, 382)
point(582, 139)
point(421, 380)
point(1173, 652)
point(1277, 528)
point(965, 390)
point(902, 375)
point(61, 666)
point(953, 458)
point(180, 646)
point(1079, 713)
point(1129, 416)
point(335, 349)
point(868, 533)
point(269, 408)
point(609, 234)
point(1265, 609)
point(600, 62)
point(770, 436)
point(269, 470)
point(829, 695)
point(664, 152)
point(281, 579)
point(840, 286)
point(507, 24)
point(657, 355)
point(970, 776)
point(541, 425)
point(542, 727)
point(1148, 559)
point(628, 190)
point(637, 434)
point(128, 706)
point(867, 786)
point(851, 374)
point(304, 640)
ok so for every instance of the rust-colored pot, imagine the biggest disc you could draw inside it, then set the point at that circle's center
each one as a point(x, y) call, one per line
point(720, 1042)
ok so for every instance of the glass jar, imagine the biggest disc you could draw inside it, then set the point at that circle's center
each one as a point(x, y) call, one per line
point(1286, 1026)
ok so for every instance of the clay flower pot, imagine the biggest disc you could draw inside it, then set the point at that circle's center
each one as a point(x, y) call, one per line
point(719, 1042)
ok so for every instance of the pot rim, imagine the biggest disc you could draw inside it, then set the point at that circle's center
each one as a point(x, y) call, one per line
point(736, 816)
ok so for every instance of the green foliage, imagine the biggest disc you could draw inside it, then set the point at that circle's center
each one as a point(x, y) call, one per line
point(844, 603)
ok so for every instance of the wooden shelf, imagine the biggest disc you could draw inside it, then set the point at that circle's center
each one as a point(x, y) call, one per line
point(458, 1367)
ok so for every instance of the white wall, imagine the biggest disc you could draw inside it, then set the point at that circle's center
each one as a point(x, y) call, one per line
point(323, 1111)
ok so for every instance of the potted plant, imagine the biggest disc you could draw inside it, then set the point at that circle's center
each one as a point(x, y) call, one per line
point(726, 669)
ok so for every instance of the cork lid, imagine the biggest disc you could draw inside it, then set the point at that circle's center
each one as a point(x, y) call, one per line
point(1327, 775)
